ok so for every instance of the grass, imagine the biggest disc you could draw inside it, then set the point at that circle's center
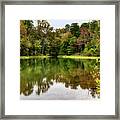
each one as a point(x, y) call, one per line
point(71, 57)
point(79, 57)
point(30, 57)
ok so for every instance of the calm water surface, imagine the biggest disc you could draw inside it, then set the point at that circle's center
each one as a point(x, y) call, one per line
point(59, 79)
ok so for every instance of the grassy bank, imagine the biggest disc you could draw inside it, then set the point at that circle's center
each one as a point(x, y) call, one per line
point(79, 57)
point(30, 57)
point(71, 57)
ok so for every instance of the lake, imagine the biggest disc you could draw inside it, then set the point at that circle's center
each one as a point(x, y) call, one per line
point(59, 79)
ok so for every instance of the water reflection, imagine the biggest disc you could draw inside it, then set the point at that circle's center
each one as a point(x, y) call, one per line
point(39, 75)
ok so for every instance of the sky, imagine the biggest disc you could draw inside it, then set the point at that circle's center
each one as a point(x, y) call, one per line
point(61, 23)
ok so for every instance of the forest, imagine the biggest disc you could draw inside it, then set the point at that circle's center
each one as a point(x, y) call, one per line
point(73, 39)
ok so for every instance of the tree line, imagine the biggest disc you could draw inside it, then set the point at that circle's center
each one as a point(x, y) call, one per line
point(74, 39)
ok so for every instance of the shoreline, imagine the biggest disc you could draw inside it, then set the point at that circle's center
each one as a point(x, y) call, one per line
point(71, 57)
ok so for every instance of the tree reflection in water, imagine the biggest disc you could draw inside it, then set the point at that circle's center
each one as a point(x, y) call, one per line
point(38, 75)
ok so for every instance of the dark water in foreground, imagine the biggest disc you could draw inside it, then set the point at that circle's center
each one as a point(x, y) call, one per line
point(59, 79)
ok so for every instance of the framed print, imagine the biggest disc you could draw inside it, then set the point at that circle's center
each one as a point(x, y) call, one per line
point(59, 59)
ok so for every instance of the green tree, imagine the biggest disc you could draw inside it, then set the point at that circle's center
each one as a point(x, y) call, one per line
point(26, 27)
point(44, 32)
point(74, 29)
point(67, 28)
